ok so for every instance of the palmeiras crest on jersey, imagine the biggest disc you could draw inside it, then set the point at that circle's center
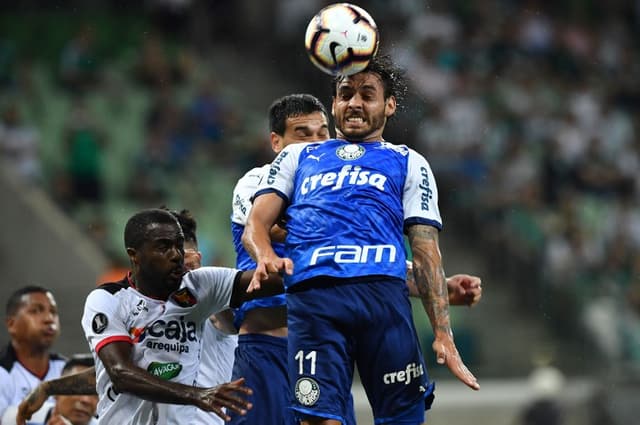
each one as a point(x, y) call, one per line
point(184, 298)
point(350, 152)
point(307, 391)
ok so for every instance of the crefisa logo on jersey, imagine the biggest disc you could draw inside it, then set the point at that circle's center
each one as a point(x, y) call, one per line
point(350, 152)
point(307, 391)
point(275, 167)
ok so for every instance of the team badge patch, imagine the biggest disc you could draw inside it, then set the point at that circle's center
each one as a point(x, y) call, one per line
point(99, 323)
point(184, 298)
point(350, 152)
point(307, 391)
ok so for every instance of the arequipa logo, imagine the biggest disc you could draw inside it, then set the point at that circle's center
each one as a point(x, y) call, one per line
point(164, 371)
point(346, 176)
point(405, 376)
point(350, 152)
point(358, 254)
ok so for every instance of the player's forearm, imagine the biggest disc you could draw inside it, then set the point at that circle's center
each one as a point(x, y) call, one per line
point(82, 383)
point(430, 279)
point(413, 289)
point(272, 286)
point(140, 383)
point(257, 240)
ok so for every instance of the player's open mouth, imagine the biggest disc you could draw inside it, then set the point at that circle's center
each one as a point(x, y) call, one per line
point(355, 120)
point(50, 331)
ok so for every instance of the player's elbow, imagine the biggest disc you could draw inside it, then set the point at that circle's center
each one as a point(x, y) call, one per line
point(121, 378)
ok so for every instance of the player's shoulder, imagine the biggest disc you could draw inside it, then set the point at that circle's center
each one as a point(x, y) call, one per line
point(250, 180)
point(209, 274)
point(254, 173)
point(300, 148)
point(108, 292)
point(114, 287)
point(401, 149)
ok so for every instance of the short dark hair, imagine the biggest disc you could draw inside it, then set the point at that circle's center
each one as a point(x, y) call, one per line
point(292, 105)
point(393, 78)
point(81, 359)
point(135, 230)
point(188, 223)
point(15, 299)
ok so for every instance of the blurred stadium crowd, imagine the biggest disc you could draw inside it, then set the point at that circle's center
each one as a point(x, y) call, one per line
point(528, 112)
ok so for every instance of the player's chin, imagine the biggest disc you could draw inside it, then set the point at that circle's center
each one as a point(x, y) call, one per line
point(355, 133)
point(173, 281)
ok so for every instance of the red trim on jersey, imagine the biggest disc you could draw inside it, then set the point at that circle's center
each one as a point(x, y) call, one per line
point(109, 340)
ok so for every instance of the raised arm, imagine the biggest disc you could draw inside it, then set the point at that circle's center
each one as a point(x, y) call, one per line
point(272, 285)
point(81, 383)
point(432, 287)
point(266, 210)
point(129, 378)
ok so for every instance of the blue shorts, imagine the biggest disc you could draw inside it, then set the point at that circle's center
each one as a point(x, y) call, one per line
point(262, 361)
point(334, 325)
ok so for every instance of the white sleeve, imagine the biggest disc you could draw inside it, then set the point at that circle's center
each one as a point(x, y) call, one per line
point(101, 320)
point(7, 391)
point(280, 176)
point(214, 286)
point(243, 192)
point(420, 200)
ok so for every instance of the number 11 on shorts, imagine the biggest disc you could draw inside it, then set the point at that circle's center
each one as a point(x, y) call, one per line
point(311, 357)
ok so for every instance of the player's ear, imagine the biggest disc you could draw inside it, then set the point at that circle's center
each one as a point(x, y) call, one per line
point(133, 255)
point(10, 323)
point(390, 106)
point(276, 142)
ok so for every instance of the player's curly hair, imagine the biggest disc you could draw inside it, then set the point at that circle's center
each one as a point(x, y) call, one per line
point(187, 223)
point(292, 105)
point(393, 78)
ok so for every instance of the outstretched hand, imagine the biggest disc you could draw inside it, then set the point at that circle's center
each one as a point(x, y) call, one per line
point(268, 265)
point(464, 289)
point(31, 404)
point(227, 396)
point(447, 353)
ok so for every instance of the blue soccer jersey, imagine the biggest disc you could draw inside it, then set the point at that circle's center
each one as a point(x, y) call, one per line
point(347, 302)
point(335, 224)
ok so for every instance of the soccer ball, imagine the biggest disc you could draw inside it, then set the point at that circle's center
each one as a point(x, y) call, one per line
point(341, 39)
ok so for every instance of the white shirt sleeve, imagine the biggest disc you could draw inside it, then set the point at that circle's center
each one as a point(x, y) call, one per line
point(101, 321)
point(214, 286)
point(280, 176)
point(243, 192)
point(420, 200)
point(7, 391)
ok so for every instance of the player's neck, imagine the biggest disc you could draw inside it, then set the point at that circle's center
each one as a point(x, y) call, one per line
point(147, 289)
point(34, 359)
